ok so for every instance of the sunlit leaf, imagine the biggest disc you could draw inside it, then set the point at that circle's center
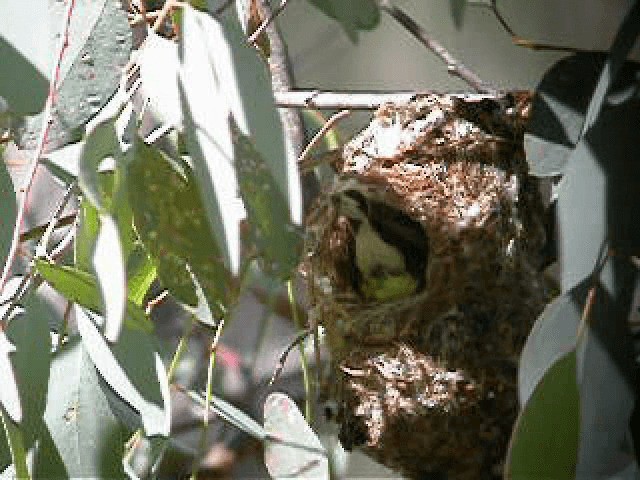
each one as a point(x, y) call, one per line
point(141, 272)
point(353, 16)
point(24, 83)
point(82, 288)
point(99, 42)
point(155, 418)
point(7, 212)
point(206, 113)
point(158, 61)
point(544, 443)
point(110, 271)
point(232, 415)
point(292, 449)
point(9, 396)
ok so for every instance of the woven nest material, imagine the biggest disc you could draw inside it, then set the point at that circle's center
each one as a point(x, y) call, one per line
point(427, 384)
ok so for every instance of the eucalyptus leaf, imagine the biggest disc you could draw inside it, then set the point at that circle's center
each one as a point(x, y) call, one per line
point(99, 42)
point(9, 394)
point(292, 450)
point(82, 288)
point(86, 439)
point(553, 336)
point(24, 81)
point(353, 16)
point(29, 332)
point(8, 211)
point(208, 134)
point(560, 104)
point(110, 272)
point(155, 416)
point(232, 415)
point(16, 445)
point(544, 442)
point(275, 238)
point(607, 372)
point(170, 218)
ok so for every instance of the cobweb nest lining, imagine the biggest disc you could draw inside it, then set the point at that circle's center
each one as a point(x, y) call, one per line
point(427, 384)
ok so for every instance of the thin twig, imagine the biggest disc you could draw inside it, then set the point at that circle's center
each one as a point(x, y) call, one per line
point(41, 249)
point(364, 100)
point(321, 133)
point(516, 39)
point(44, 133)
point(39, 230)
point(282, 360)
point(454, 66)
point(162, 15)
point(254, 36)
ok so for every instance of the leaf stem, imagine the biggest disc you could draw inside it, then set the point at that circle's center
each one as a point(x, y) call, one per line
point(306, 378)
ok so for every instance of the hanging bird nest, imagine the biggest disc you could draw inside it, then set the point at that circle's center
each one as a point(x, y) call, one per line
point(427, 383)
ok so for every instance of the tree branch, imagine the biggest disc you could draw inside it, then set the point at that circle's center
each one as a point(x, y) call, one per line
point(363, 100)
point(454, 66)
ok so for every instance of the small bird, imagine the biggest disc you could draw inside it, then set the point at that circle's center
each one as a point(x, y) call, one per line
point(390, 248)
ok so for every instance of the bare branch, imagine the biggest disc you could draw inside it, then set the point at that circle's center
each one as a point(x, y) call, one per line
point(362, 100)
point(454, 66)
point(321, 133)
point(516, 39)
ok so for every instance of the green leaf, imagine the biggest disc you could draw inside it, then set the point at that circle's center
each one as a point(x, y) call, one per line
point(208, 135)
point(141, 272)
point(82, 288)
point(560, 104)
point(9, 395)
point(292, 450)
point(24, 81)
point(154, 412)
point(29, 332)
point(552, 336)
point(275, 238)
point(98, 47)
point(101, 143)
point(86, 439)
point(8, 211)
point(353, 16)
point(16, 444)
point(233, 415)
point(110, 272)
point(544, 443)
point(170, 218)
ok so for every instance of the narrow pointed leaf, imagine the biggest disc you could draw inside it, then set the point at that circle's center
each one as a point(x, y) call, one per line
point(154, 417)
point(206, 113)
point(110, 271)
point(16, 445)
point(9, 396)
point(544, 443)
point(7, 212)
point(86, 438)
point(82, 288)
point(170, 217)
